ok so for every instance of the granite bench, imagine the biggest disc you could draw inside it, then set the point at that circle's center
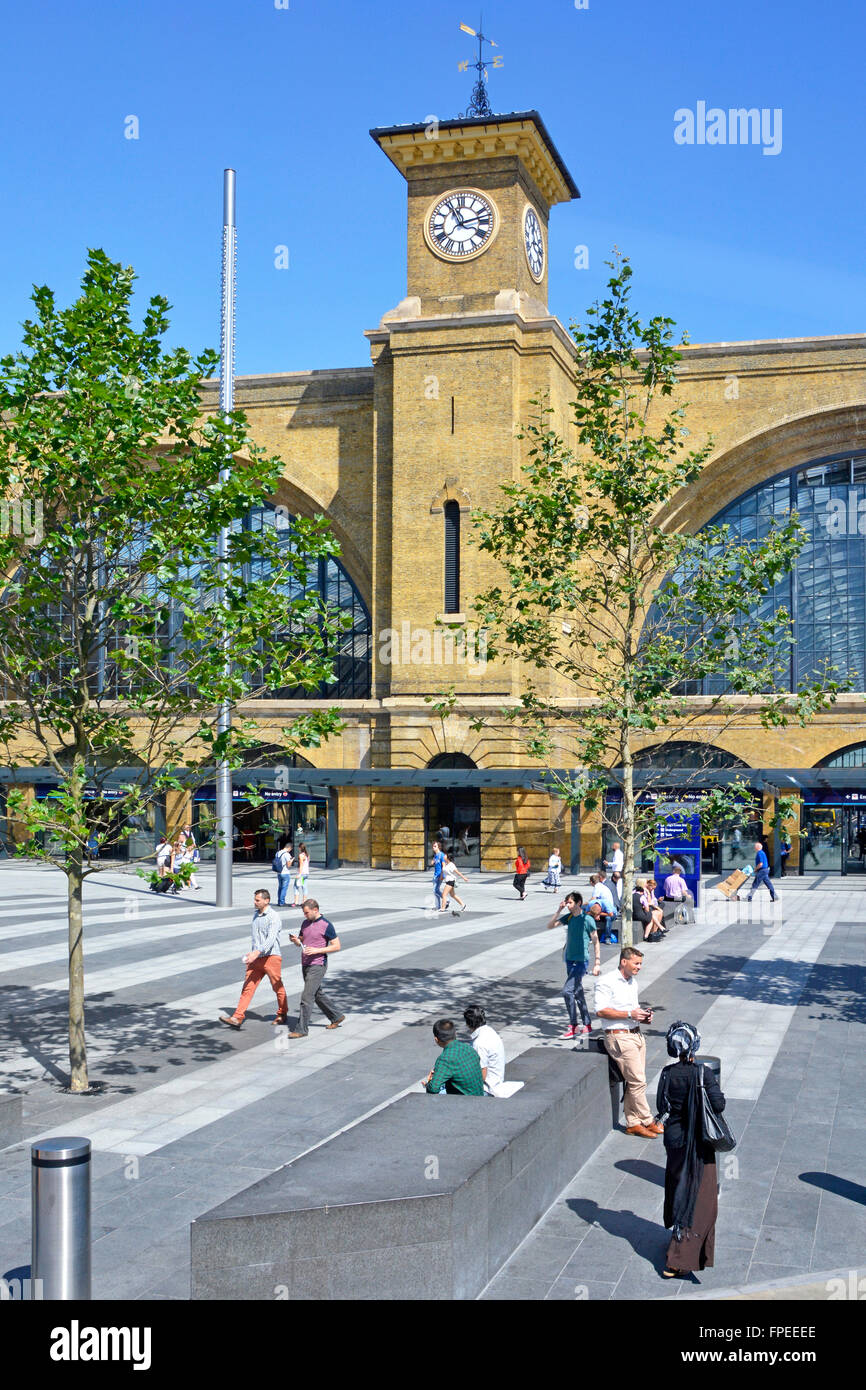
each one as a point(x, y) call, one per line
point(426, 1199)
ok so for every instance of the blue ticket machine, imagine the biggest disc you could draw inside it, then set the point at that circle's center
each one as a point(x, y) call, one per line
point(679, 842)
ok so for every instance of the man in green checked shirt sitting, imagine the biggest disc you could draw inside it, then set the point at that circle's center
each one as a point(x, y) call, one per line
point(457, 1068)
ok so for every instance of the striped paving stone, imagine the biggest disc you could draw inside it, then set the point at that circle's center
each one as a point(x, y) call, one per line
point(140, 1125)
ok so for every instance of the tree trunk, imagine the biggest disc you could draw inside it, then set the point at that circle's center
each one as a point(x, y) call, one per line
point(77, 1043)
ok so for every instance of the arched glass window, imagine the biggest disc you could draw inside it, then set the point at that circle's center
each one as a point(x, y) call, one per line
point(855, 756)
point(329, 582)
point(825, 593)
point(452, 557)
point(679, 754)
point(451, 760)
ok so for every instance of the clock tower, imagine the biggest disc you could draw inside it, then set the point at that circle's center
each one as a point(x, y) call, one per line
point(457, 364)
point(480, 194)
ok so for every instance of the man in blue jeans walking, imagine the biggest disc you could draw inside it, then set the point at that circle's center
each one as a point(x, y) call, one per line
point(438, 870)
point(581, 930)
point(285, 859)
point(762, 872)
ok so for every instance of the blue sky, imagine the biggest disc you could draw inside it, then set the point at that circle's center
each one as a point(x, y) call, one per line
point(730, 242)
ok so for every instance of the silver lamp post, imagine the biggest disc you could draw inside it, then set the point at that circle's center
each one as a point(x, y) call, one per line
point(224, 817)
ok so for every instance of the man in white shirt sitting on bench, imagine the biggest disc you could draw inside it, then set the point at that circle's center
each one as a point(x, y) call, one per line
point(491, 1053)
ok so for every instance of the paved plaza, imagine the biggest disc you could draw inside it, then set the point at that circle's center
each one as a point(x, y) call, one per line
point(188, 1113)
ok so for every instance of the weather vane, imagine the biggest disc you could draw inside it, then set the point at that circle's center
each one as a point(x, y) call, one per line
point(479, 105)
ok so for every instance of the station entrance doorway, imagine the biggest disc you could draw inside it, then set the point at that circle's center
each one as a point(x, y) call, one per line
point(452, 815)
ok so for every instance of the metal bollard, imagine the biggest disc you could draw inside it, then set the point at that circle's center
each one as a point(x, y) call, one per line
point(60, 1195)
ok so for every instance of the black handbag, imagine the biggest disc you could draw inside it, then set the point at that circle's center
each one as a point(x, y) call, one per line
point(715, 1130)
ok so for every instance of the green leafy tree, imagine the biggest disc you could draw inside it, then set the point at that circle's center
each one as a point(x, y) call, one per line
point(120, 632)
point(617, 619)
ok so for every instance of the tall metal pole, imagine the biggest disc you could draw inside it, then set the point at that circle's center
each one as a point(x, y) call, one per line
point(224, 818)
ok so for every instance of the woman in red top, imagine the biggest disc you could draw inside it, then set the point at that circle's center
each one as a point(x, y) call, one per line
point(521, 872)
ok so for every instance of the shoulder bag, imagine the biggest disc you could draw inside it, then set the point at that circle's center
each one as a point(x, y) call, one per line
point(715, 1130)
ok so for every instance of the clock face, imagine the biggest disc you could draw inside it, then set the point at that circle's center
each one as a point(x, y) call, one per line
point(461, 224)
point(533, 242)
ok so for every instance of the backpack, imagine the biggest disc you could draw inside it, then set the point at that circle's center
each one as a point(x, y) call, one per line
point(277, 862)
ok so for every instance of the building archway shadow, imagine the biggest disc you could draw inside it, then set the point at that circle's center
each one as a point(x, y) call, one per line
point(646, 1238)
point(840, 1187)
point(640, 1168)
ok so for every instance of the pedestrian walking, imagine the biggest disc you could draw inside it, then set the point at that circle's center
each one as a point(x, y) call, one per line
point(691, 1187)
point(616, 863)
point(438, 864)
point(616, 1003)
point(317, 939)
point(554, 869)
point(581, 931)
point(809, 846)
point(300, 889)
point(449, 885)
point(163, 856)
point(263, 958)
point(281, 864)
point(521, 872)
point(762, 873)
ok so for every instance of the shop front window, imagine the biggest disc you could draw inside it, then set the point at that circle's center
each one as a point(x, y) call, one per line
point(259, 831)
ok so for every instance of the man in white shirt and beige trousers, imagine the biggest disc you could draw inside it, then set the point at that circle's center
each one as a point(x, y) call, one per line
point(616, 1002)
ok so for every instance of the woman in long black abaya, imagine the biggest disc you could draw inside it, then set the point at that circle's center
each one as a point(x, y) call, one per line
point(691, 1197)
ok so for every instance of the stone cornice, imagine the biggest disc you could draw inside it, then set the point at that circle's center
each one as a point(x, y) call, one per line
point(755, 347)
point(747, 707)
point(522, 134)
point(437, 322)
point(338, 383)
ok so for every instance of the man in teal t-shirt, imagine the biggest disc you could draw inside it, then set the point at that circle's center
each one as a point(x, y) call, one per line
point(581, 928)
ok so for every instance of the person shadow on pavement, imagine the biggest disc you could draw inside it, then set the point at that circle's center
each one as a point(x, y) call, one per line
point(648, 1239)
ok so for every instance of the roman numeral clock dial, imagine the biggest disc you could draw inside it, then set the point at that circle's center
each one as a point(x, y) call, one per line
point(533, 243)
point(461, 225)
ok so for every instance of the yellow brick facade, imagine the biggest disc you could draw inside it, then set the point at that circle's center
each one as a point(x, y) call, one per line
point(434, 418)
